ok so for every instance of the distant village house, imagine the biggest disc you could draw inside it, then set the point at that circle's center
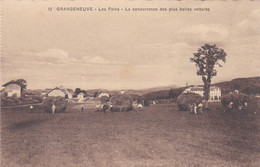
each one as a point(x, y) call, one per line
point(13, 88)
point(81, 95)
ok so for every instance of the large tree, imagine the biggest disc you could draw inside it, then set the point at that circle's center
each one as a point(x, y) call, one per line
point(206, 59)
point(22, 82)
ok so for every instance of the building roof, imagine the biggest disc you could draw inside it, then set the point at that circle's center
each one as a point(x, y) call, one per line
point(14, 82)
point(57, 89)
point(67, 91)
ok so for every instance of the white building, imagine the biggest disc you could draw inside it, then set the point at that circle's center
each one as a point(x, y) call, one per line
point(13, 89)
point(215, 92)
point(80, 95)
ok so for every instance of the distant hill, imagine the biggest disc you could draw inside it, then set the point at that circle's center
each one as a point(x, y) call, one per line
point(149, 90)
point(246, 85)
point(163, 94)
point(133, 91)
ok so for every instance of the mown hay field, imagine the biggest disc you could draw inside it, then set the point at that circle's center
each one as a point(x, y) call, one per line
point(159, 135)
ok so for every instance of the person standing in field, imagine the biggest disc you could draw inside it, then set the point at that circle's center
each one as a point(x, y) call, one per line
point(111, 108)
point(195, 108)
point(140, 106)
point(245, 106)
point(200, 106)
point(105, 107)
point(229, 107)
point(31, 108)
point(190, 107)
point(82, 109)
point(53, 108)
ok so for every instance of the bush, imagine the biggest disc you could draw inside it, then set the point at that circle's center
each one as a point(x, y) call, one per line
point(7, 102)
point(12, 101)
point(37, 98)
point(26, 100)
point(238, 99)
point(186, 100)
point(59, 102)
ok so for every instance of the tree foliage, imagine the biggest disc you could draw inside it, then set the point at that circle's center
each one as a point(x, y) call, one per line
point(77, 91)
point(84, 92)
point(206, 59)
point(22, 82)
point(95, 94)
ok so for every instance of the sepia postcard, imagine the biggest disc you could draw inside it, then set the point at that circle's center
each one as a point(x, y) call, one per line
point(130, 83)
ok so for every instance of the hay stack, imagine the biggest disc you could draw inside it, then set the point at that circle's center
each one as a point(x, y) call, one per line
point(121, 102)
point(59, 102)
point(186, 100)
point(104, 99)
point(238, 99)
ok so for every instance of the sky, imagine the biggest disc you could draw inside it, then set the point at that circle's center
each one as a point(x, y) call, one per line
point(125, 50)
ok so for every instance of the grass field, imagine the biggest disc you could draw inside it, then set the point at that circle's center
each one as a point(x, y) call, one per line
point(159, 135)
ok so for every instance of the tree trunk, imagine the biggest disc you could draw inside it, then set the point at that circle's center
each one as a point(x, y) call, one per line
point(206, 92)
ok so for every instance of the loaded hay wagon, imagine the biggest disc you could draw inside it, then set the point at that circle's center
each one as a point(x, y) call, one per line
point(121, 102)
point(59, 102)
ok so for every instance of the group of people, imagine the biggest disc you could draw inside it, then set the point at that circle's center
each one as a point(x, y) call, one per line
point(230, 107)
point(196, 108)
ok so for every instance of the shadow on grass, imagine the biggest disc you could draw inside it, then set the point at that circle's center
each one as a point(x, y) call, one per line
point(25, 124)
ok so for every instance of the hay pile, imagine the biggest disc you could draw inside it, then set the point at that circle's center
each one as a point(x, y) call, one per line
point(121, 102)
point(104, 99)
point(239, 99)
point(59, 102)
point(186, 100)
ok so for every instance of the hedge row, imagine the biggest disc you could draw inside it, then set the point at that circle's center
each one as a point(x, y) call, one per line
point(12, 101)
